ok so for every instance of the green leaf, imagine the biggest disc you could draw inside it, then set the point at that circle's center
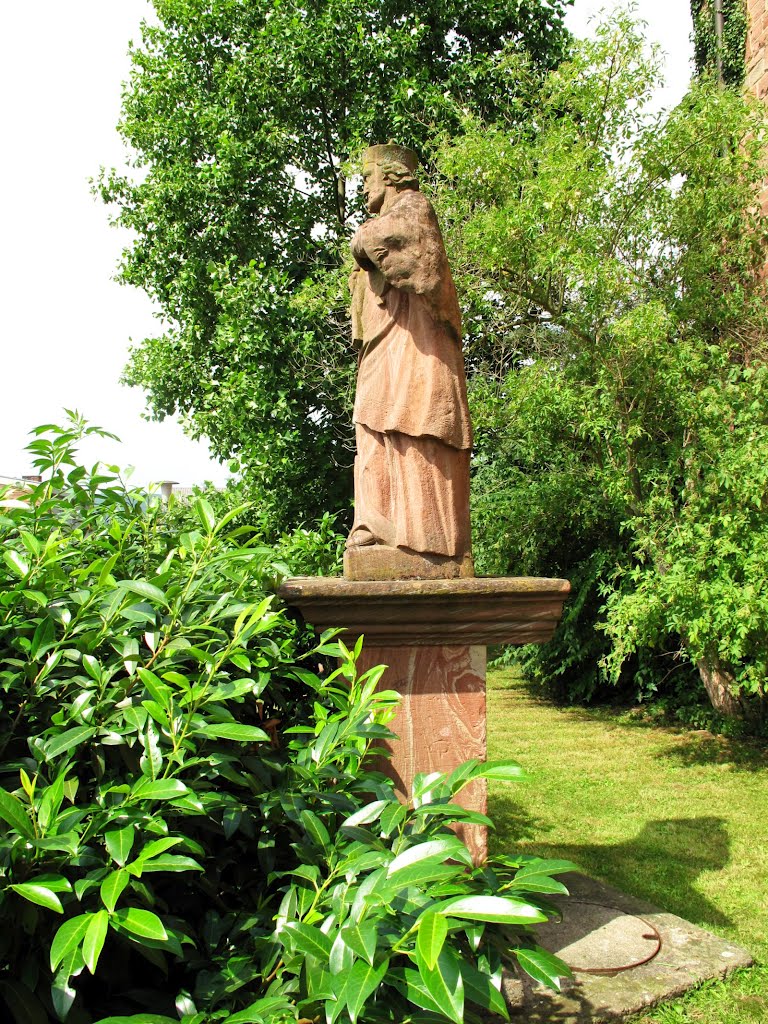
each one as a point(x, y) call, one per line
point(106, 569)
point(446, 985)
point(50, 802)
point(435, 849)
point(71, 787)
point(16, 563)
point(431, 936)
point(160, 789)
point(490, 908)
point(119, 843)
point(341, 957)
point(67, 740)
point(320, 983)
point(453, 812)
point(418, 993)
point(13, 813)
point(362, 982)
point(93, 941)
point(463, 773)
point(538, 883)
point(43, 639)
point(233, 731)
point(146, 590)
point(367, 814)
point(139, 1018)
point(68, 938)
point(205, 514)
point(62, 993)
point(502, 771)
point(28, 785)
point(169, 862)
point(421, 873)
point(241, 661)
point(158, 846)
point(392, 817)
point(160, 714)
point(131, 654)
point(92, 667)
point(425, 783)
point(160, 691)
point(67, 842)
point(309, 940)
point(151, 761)
point(262, 1010)
point(56, 883)
point(479, 989)
point(543, 966)
point(112, 887)
point(540, 866)
point(40, 895)
point(361, 937)
point(142, 923)
point(315, 829)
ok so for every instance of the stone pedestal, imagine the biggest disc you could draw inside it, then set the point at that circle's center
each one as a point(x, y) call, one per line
point(380, 562)
point(432, 635)
point(440, 722)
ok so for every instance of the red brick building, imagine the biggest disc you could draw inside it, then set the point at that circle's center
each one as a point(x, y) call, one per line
point(756, 63)
point(756, 57)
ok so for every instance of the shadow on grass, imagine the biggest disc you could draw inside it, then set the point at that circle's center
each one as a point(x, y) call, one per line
point(513, 823)
point(698, 749)
point(661, 864)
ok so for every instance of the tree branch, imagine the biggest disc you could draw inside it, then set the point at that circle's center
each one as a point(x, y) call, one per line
point(555, 312)
point(338, 180)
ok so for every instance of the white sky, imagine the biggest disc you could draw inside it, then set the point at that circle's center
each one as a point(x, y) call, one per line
point(66, 325)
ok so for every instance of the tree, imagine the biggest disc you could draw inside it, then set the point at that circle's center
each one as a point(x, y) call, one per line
point(623, 428)
point(243, 116)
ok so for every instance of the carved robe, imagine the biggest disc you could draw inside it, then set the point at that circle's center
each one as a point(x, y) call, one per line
point(411, 415)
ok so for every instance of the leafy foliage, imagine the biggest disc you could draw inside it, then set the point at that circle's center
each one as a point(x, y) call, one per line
point(315, 549)
point(243, 116)
point(734, 42)
point(188, 826)
point(622, 421)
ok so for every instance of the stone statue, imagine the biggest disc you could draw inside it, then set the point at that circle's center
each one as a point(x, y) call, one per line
point(411, 417)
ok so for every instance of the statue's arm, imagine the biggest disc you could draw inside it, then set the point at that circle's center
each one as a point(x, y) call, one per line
point(404, 245)
point(359, 250)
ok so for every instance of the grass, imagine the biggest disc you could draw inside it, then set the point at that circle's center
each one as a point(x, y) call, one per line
point(677, 818)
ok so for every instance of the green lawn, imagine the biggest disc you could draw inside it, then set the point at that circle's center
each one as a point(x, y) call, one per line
point(678, 818)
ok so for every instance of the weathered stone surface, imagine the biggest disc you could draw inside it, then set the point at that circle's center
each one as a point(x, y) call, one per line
point(413, 434)
point(440, 722)
point(600, 939)
point(381, 562)
point(687, 956)
point(493, 610)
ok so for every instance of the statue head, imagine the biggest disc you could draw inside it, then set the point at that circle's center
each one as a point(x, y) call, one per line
point(387, 167)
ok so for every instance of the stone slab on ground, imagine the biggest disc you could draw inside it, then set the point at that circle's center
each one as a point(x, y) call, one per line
point(686, 956)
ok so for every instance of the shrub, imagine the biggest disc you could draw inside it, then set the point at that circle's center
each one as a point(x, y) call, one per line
point(188, 829)
point(315, 549)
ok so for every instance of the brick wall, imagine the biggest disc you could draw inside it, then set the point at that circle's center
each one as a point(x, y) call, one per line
point(757, 48)
point(757, 62)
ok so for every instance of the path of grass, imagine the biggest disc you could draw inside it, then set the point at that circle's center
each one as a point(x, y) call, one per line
point(680, 819)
